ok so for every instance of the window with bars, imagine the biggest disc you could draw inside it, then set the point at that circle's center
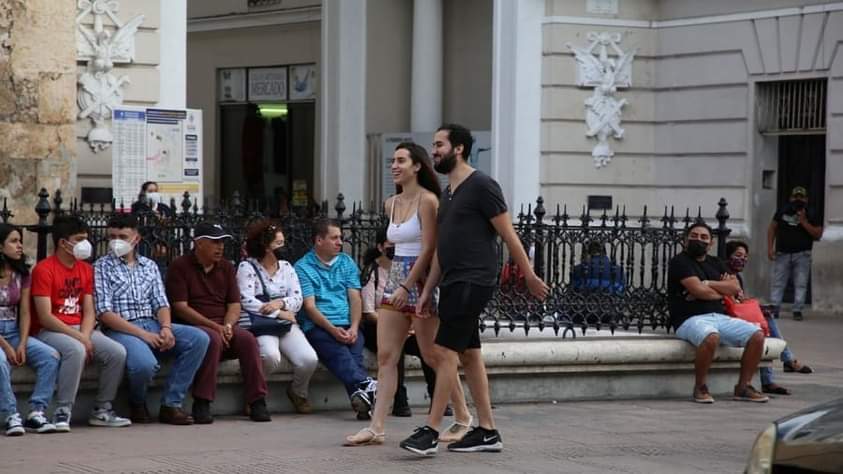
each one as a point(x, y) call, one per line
point(788, 107)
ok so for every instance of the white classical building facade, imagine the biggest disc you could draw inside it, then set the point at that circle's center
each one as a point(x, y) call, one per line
point(678, 103)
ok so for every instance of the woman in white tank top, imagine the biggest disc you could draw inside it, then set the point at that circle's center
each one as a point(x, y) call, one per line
point(412, 227)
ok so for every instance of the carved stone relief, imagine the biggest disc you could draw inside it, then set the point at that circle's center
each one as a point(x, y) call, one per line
point(605, 74)
point(99, 90)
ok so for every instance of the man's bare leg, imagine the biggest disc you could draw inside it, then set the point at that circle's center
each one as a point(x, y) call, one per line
point(478, 383)
point(447, 376)
point(751, 358)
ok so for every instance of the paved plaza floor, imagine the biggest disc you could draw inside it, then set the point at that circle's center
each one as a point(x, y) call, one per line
point(646, 436)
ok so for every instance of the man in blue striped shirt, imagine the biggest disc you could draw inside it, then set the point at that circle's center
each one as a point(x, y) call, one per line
point(332, 310)
point(131, 304)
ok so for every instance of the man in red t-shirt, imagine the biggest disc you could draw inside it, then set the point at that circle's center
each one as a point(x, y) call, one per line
point(62, 292)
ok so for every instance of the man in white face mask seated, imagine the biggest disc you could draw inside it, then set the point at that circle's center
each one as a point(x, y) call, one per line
point(62, 289)
point(132, 305)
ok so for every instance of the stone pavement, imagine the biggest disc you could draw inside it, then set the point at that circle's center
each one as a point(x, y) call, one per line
point(648, 436)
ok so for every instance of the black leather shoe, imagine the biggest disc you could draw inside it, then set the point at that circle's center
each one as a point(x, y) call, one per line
point(174, 416)
point(258, 411)
point(202, 412)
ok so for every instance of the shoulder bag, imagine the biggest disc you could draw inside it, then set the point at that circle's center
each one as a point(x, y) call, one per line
point(261, 324)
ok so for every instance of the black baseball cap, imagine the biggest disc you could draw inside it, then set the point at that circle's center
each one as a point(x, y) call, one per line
point(210, 230)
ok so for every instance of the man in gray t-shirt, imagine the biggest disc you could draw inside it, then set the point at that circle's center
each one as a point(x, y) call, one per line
point(472, 213)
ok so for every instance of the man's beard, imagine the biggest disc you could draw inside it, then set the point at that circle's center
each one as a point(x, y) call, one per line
point(446, 164)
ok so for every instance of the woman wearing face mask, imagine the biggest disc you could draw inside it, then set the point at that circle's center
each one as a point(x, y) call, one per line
point(16, 347)
point(265, 272)
point(149, 200)
point(737, 254)
point(376, 265)
point(412, 227)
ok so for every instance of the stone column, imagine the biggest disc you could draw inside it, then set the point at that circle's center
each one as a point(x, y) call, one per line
point(37, 102)
point(342, 102)
point(173, 66)
point(426, 72)
point(516, 98)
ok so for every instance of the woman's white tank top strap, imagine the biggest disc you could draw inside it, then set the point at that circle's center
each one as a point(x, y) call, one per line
point(407, 235)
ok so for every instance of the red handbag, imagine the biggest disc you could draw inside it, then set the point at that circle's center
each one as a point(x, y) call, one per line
point(747, 310)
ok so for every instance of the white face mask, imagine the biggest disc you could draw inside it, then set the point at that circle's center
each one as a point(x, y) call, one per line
point(82, 250)
point(153, 198)
point(119, 247)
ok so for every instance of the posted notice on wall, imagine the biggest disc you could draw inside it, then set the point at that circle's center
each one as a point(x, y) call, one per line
point(161, 145)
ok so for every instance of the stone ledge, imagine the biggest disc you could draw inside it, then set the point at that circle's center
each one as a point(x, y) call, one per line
point(520, 370)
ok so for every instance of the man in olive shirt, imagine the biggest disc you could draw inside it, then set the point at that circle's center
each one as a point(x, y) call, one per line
point(203, 289)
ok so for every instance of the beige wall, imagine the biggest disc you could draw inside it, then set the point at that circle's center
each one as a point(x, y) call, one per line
point(143, 89)
point(690, 127)
point(248, 47)
point(389, 41)
point(467, 90)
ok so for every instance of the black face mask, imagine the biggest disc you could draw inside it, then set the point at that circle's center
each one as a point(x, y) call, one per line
point(389, 252)
point(279, 253)
point(696, 248)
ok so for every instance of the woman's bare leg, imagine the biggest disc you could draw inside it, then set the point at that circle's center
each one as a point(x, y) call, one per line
point(425, 329)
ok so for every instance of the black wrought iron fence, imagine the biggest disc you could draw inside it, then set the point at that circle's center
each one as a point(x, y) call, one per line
point(607, 271)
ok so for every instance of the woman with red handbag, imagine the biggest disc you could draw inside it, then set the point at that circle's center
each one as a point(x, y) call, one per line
point(737, 254)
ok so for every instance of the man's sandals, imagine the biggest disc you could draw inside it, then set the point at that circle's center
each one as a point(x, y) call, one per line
point(364, 437)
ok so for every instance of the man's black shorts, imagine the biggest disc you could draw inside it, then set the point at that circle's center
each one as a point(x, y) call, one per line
point(460, 305)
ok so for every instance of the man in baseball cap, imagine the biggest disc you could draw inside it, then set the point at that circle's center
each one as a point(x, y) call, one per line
point(203, 289)
point(210, 231)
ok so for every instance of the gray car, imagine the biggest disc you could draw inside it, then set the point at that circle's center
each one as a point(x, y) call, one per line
point(808, 441)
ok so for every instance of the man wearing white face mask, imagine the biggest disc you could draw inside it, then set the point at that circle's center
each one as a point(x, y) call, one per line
point(62, 289)
point(132, 306)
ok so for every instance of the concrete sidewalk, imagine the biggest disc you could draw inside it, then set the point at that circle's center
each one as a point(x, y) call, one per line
point(584, 437)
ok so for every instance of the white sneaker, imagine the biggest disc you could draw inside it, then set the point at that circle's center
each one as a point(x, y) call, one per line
point(61, 420)
point(14, 425)
point(108, 419)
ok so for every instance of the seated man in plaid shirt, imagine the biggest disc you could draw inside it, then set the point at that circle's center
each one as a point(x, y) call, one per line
point(132, 307)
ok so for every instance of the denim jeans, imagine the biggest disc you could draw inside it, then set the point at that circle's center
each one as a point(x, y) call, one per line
point(142, 361)
point(41, 357)
point(787, 356)
point(785, 266)
point(344, 361)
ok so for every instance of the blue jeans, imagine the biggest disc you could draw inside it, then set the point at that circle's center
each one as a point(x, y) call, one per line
point(142, 361)
point(786, 265)
point(344, 361)
point(787, 356)
point(41, 357)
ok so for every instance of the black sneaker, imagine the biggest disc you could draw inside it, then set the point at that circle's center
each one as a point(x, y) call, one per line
point(797, 316)
point(201, 412)
point(424, 441)
point(258, 411)
point(37, 422)
point(363, 399)
point(478, 440)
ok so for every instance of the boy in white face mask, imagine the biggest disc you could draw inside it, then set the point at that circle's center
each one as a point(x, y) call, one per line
point(62, 289)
